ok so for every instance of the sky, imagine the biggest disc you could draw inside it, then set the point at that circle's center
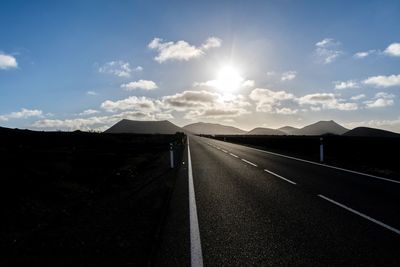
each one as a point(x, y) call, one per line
point(67, 65)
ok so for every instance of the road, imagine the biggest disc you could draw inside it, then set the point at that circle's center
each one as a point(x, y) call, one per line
point(247, 207)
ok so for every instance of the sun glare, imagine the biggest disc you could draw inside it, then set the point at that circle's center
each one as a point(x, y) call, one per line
point(228, 79)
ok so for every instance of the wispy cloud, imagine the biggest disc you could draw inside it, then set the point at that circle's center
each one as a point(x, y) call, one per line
point(7, 62)
point(181, 50)
point(118, 68)
point(364, 54)
point(288, 75)
point(88, 112)
point(358, 97)
point(22, 114)
point(327, 50)
point(141, 84)
point(383, 81)
point(92, 93)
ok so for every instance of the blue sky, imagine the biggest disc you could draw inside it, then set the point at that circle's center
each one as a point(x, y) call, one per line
point(86, 64)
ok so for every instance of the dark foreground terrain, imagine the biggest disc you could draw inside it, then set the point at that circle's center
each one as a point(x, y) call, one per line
point(83, 199)
point(375, 155)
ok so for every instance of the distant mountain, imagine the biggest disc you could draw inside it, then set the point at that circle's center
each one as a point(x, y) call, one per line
point(370, 132)
point(289, 130)
point(212, 128)
point(322, 127)
point(265, 131)
point(144, 127)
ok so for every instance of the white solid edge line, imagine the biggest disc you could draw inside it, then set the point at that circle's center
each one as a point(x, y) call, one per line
point(277, 175)
point(223, 150)
point(196, 254)
point(249, 162)
point(324, 165)
point(361, 215)
point(233, 155)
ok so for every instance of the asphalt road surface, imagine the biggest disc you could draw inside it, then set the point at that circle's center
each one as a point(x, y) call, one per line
point(238, 206)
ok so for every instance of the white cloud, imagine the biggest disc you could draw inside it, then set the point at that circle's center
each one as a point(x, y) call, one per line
point(364, 54)
point(268, 100)
point(327, 50)
point(94, 122)
point(141, 84)
point(22, 114)
point(271, 73)
point(212, 42)
point(383, 81)
point(216, 84)
point(358, 97)
point(326, 101)
point(248, 83)
point(286, 111)
point(205, 104)
point(7, 62)
point(327, 42)
point(88, 112)
point(91, 93)
point(215, 113)
point(118, 68)
point(379, 103)
point(393, 50)
point(288, 75)
point(190, 99)
point(130, 103)
point(382, 99)
point(181, 50)
point(346, 85)
point(195, 104)
point(163, 116)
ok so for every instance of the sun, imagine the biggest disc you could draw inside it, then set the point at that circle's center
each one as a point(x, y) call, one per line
point(228, 79)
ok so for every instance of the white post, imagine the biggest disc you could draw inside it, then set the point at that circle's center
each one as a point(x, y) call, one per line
point(171, 154)
point(321, 150)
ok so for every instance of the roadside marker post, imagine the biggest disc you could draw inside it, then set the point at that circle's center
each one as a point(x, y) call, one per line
point(321, 150)
point(171, 154)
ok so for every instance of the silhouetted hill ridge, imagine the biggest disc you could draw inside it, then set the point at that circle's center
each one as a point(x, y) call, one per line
point(265, 131)
point(289, 130)
point(322, 127)
point(370, 132)
point(144, 127)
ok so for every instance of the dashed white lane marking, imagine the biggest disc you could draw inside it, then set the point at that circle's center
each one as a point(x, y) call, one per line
point(280, 177)
point(249, 162)
point(233, 155)
point(361, 215)
point(196, 255)
point(223, 150)
point(327, 166)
